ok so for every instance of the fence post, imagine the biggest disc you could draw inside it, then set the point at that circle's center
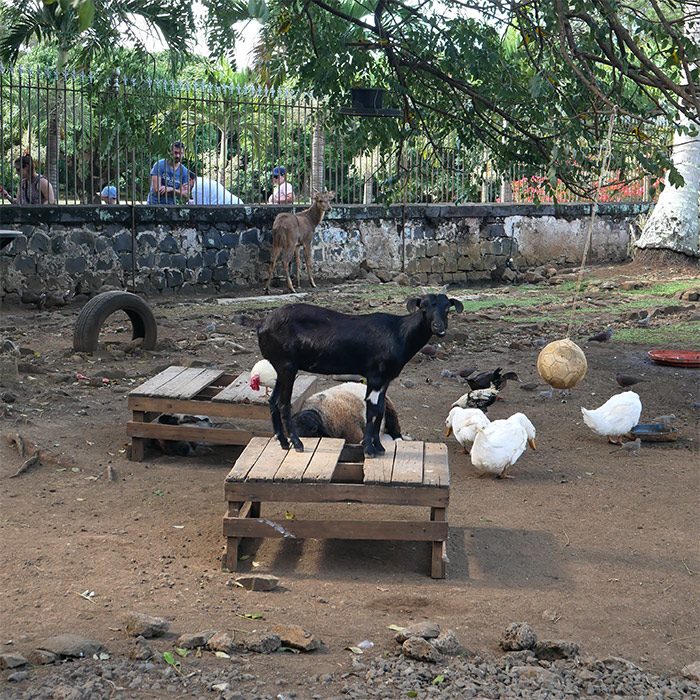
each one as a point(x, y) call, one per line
point(506, 190)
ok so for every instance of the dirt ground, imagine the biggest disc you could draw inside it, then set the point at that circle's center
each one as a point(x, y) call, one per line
point(585, 544)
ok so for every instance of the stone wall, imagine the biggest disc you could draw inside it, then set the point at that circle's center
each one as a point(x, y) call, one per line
point(217, 249)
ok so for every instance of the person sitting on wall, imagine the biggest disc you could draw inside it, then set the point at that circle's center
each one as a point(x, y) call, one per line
point(169, 178)
point(282, 192)
point(206, 191)
point(109, 195)
point(33, 188)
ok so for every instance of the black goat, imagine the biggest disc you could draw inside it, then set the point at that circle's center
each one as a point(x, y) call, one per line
point(374, 346)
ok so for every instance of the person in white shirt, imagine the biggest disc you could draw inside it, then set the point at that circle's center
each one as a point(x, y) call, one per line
point(206, 191)
point(282, 192)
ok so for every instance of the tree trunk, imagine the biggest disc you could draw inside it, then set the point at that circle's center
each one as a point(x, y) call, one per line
point(53, 125)
point(674, 224)
point(318, 149)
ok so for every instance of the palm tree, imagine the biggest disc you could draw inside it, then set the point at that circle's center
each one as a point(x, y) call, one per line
point(83, 29)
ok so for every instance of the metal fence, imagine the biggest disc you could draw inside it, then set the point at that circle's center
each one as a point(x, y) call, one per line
point(85, 135)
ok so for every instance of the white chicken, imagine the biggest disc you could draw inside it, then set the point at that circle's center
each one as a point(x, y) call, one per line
point(499, 445)
point(263, 374)
point(617, 416)
point(463, 423)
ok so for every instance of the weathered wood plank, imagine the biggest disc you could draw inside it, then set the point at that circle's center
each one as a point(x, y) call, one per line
point(421, 530)
point(245, 462)
point(295, 463)
point(436, 469)
point(198, 407)
point(239, 391)
point(335, 492)
point(151, 386)
point(324, 460)
point(214, 436)
point(304, 386)
point(408, 463)
point(267, 464)
point(379, 469)
point(192, 386)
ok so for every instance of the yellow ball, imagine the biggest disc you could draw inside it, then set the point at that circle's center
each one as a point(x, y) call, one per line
point(562, 364)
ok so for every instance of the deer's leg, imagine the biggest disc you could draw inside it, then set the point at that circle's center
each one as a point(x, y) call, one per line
point(275, 254)
point(298, 262)
point(286, 258)
point(307, 257)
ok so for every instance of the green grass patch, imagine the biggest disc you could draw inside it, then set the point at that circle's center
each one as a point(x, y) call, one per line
point(664, 289)
point(682, 336)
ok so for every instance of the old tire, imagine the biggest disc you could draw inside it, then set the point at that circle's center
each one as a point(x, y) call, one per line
point(95, 312)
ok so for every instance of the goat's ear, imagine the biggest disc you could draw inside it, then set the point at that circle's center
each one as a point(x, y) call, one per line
point(413, 304)
point(459, 307)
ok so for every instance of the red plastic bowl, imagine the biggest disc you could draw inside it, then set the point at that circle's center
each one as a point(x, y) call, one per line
point(678, 358)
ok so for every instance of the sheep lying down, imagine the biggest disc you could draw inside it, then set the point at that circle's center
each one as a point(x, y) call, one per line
point(340, 412)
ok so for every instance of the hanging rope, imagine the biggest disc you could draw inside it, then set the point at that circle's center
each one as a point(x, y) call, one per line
point(604, 156)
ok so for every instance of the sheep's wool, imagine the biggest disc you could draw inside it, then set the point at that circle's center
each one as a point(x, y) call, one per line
point(562, 364)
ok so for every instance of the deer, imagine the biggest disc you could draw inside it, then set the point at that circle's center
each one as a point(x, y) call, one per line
point(292, 231)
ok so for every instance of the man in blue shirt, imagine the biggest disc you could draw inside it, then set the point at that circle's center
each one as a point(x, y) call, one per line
point(169, 178)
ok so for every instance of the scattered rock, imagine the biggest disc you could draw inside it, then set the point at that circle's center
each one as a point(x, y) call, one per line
point(421, 650)
point(262, 641)
point(144, 625)
point(140, 650)
point(71, 645)
point(447, 643)
point(192, 641)
point(222, 641)
point(12, 660)
point(296, 637)
point(18, 676)
point(542, 675)
point(551, 615)
point(426, 630)
point(518, 635)
point(690, 294)
point(628, 285)
point(692, 671)
point(402, 279)
point(553, 650)
point(41, 657)
point(258, 582)
point(384, 275)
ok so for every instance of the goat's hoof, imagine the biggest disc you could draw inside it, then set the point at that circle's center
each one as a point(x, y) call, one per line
point(379, 448)
point(370, 452)
point(298, 445)
point(284, 444)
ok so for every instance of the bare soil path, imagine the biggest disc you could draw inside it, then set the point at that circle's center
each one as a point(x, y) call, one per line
point(585, 544)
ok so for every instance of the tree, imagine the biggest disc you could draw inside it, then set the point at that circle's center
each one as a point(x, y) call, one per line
point(88, 27)
point(673, 224)
point(536, 82)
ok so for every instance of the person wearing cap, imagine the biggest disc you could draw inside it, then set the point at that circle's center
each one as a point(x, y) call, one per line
point(109, 195)
point(282, 192)
point(169, 177)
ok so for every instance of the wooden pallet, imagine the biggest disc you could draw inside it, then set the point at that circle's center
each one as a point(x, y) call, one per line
point(199, 391)
point(410, 473)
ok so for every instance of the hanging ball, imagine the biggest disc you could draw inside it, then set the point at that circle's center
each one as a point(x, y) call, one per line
point(562, 364)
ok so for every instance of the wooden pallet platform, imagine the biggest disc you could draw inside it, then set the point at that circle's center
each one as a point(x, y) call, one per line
point(200, 391)
point(410, 473)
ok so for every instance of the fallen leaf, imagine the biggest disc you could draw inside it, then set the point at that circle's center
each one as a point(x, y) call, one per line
point(355, 650)
point(222, 654)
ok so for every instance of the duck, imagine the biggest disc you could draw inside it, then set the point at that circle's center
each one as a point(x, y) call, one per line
point(617, 416)
point(499, 445)
point(263, 374)
point(484, 379)
point(481, 398)
point(463, 423)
